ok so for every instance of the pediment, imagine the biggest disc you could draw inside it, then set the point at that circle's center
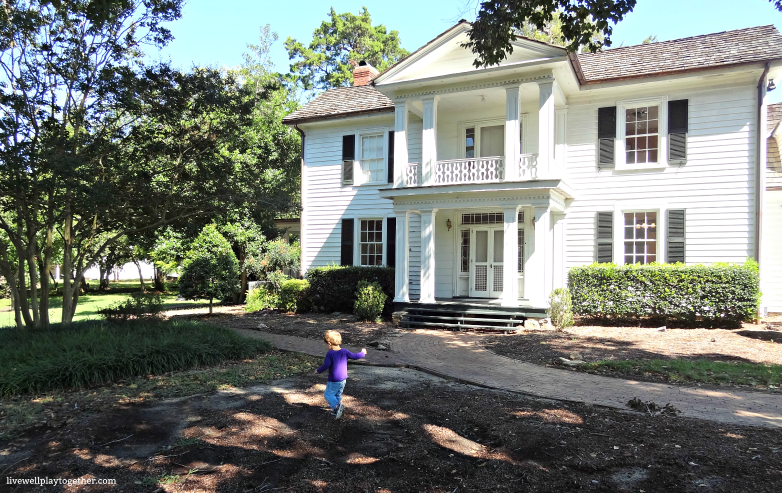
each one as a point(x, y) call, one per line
point(445, 56)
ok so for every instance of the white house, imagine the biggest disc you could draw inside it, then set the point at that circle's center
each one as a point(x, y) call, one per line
point(771, 253)
point(491, 183)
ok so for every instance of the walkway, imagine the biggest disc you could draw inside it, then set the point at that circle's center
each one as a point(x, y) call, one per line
point(456, 355)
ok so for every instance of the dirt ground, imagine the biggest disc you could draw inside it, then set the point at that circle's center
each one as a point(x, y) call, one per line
point(403, 431)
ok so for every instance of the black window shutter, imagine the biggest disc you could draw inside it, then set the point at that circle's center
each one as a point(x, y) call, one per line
point(606, 137)
point(676, 236)
point(391, 242)
point(391, 157)
point(346, 254)
point(604, 249)
point(348, 156)
point(677, 130)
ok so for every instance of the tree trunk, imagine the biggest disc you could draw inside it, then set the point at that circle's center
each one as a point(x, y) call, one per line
point(102, 278)
point(159, 284)
point(68, 286)
point(210, 306)
point(140, 277)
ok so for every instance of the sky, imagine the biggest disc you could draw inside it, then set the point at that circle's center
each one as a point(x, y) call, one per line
point(216, 32)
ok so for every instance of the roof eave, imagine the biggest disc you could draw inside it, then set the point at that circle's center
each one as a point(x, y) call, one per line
point(675, 72)
point(336, 116)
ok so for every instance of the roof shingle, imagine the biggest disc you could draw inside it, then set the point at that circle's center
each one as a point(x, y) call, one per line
point(754, 44)
point(342, 102)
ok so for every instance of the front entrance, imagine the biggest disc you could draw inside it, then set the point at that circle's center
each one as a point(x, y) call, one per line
point(486, 260)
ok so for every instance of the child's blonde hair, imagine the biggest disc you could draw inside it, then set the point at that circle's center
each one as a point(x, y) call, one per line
point(332, 338)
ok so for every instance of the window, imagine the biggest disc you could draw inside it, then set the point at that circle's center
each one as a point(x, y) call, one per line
point(348, 155)
point(469, 143)
point(642, 134)
point(520, 267)
point(483, 218)
point(371, 242)
point(373, 158)
point(640, 237)
point(465, 251)
point(606, 135)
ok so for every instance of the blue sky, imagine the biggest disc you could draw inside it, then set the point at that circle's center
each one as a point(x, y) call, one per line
point(216, 33)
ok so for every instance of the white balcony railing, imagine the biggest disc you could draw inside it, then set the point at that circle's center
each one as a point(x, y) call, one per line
point(412, 175)
point(470, 170)
point(528, 167)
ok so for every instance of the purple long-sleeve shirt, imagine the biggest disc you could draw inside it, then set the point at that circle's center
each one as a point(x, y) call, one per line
point(337, 364)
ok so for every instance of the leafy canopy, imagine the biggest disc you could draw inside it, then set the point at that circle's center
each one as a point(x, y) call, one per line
point(210, 269)
point(339, 44)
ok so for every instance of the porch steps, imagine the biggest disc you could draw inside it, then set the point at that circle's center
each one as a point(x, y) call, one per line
point(456, 316)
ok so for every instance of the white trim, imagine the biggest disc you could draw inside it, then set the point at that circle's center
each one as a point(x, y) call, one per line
point(659, 207)
point(524, 122)
point(620, 157)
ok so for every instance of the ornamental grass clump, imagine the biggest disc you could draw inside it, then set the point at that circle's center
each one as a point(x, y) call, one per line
point(96, 352)
point(370, 300)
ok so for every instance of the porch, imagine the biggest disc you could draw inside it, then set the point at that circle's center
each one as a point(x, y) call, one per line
point(465, 314)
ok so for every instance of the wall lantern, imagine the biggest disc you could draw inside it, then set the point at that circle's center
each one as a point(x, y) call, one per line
point(771, 86)
point(448, 223)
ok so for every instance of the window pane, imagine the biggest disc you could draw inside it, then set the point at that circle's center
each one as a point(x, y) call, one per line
point(630, 144)
point(481, 246)
point(641, 127)
point(631, 157)
point(629, 232)
point(651, 142)
point(470, 143)
point(653, 113)
point(630, 115)
point(653, 126)
point(465, 250)
point(640, 143)
point(629, 219)
point(653, 156)
point(629, 128)
point(499, 245)
point(641, 157)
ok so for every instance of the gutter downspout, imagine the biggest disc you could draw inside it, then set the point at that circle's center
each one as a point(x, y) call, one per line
point(301, 216)
point(760, 176)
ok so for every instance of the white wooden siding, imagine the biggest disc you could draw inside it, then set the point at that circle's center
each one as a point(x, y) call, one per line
point(771, 273)
point(443, 254)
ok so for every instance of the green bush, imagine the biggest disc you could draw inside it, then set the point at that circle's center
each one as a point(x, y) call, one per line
point(95, 352)
point(295, 296)
point(137, 305)
point(260, 298)
point(276, 280)
point(713, 294)
point(333, 288)
point(561, 311)
point(210, 269)
point(370, 300)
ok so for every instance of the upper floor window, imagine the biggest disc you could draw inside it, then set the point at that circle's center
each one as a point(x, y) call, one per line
point(642, 132)
point(372, 158)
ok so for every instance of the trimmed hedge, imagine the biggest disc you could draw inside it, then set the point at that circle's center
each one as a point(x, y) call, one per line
point(295, 296)
point(718, 293)
point(333, 288)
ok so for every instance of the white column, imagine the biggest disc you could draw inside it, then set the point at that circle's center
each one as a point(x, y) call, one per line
point(429, 141)
point(427, 255)
point(400, 143)
point(557, 225)
point(510, 258)
point(546, 122)
point(512, 133)
point(535, 286)
point(401, 271)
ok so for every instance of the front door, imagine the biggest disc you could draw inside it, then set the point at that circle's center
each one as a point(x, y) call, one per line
point(486, 256)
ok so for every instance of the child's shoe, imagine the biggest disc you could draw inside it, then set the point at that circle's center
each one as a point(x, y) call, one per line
point(339, 411)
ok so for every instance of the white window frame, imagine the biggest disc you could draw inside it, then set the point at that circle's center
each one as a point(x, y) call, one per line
point(357, 241)
point(477, 124)
point(359, 177)
point(620, 156)
point(619, 227)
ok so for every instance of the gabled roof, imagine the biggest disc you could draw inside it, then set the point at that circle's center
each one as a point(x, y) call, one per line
point(342, 102)
point(754, 44)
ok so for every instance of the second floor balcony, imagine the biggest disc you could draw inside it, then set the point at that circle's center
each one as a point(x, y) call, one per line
point(474, 170)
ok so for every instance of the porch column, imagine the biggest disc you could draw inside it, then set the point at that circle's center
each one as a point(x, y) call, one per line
point(512, 133)
point(535, 282)
point(429, 141)
point(510, 258)
point(401, 272)
point(400, 143)
point(558, 268)
point(546, 123)
point(427, 255)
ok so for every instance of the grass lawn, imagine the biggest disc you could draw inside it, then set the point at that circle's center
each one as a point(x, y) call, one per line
point(90, 303)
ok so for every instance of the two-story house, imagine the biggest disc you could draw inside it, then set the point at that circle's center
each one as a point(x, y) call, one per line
point(491, 183)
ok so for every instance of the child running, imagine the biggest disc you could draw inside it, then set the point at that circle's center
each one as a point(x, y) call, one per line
point(337, 364)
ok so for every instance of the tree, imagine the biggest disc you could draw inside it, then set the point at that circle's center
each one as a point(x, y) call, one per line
point(337, 45)
point(552, 31)
point(95, 146)
point(652, 38)
point(500, 21)
point(210, 269)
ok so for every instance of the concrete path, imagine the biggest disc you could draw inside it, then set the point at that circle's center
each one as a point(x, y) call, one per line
point(457, 355)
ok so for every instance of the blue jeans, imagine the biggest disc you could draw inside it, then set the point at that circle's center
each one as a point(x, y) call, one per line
point(333, 393)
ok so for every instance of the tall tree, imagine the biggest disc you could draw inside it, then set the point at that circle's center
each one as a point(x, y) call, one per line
point(552, 31)
point(340, 40)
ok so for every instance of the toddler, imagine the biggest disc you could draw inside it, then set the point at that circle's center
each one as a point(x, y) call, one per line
point(337, 364)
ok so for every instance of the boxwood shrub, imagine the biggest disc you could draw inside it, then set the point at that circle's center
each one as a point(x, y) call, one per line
point(715, 294)
point(295, 296)
point(333, 288)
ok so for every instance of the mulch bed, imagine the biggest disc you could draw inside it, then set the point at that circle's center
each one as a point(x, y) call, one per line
point(397, 435)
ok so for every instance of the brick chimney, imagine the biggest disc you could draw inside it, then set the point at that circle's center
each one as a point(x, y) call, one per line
point(363, 74)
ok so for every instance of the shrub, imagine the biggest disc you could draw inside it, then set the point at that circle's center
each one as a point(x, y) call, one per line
point(333, 288)
point(260, 298)
point(210, 269)
point(95, 352)
point(295, 296)
point(276, 280)
point(272, 256)
point(719, 293)
point(137, 305)
point(370, 300)
point(561, 311)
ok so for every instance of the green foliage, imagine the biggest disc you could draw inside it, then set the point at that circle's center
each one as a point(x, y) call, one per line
point(333, 288)
point(713, 294)
point(370, 301)
point(210, 269)
point(276, 280)
point(552, 32)
point(137, 305)
point(95, 352)
point(561, 308)
point(261, 298)
point(273, 256)
point(344, 38)
point(581, 24)
point(295, 296)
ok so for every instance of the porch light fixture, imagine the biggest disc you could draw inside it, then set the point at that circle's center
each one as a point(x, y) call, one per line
point(771, 86)
point(483, 98)
point(448, 223)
